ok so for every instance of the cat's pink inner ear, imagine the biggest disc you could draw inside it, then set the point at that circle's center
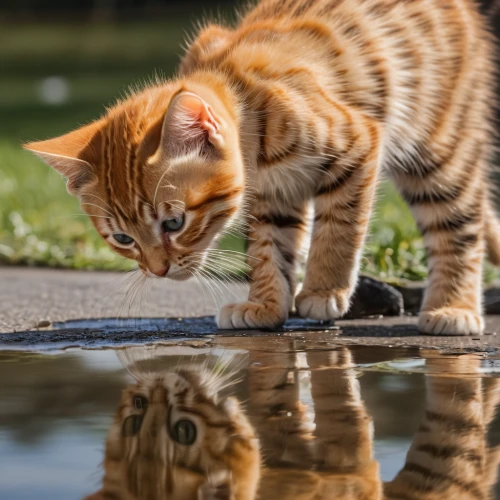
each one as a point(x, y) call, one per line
point(199, 111)
point(70, 155)
point(189, 123)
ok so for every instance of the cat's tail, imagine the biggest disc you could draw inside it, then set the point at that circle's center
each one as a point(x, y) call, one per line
point(492, 234)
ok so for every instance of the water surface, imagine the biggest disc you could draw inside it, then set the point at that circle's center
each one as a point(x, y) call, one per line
point(302, 419)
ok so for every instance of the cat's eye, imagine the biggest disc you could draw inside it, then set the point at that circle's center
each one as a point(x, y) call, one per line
point(140, 403)
point(184, 432)
point(132, 425)
point(123, 239)
point(173, 224)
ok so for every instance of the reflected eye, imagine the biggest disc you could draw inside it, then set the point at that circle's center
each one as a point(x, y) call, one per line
point(132, 425)
point(123, 239)
point(184, 432)
point(140, 403)
point(173, 224)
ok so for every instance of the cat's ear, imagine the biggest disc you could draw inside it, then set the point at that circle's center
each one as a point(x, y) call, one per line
point(71, 155)
point(190, 125)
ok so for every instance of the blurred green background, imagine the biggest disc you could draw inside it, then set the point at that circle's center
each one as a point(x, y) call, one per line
point(59, 68)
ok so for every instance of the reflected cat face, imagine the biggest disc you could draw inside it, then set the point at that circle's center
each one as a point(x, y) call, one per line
point(173, 437)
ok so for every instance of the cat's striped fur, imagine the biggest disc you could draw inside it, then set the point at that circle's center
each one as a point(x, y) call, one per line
point(320, 451)
point(307, 100)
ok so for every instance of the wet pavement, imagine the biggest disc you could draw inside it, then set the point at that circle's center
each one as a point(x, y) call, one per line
point(47, 309)
point(249, 418)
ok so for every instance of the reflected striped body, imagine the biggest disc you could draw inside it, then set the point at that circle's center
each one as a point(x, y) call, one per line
point(317, 447)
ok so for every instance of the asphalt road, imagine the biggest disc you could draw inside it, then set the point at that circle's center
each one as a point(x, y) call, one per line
point(69, 308)
point(30, 296)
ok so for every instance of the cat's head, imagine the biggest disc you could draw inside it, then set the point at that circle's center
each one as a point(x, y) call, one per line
point(160, 175)
point(173, 437)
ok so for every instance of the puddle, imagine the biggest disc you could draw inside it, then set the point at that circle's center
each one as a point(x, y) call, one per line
point(248, 418)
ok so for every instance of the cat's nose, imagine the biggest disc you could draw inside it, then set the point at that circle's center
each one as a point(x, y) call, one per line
point(160, 272)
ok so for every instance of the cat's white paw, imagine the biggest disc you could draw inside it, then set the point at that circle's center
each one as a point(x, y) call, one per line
point(322, 304)
point(249, 315)
point(450, 321)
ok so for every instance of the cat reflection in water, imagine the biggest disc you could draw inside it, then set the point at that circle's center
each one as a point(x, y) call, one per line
point(173, 437)
point(176, 436)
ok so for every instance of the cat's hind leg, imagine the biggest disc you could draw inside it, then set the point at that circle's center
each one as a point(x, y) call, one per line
point(449, 199)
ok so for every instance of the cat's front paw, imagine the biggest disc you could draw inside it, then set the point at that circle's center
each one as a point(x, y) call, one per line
point(322, 304)
point(450, 321)
point(249, 315)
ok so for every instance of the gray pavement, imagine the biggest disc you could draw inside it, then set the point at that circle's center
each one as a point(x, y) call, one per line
point(31, 296)
point(68, 308)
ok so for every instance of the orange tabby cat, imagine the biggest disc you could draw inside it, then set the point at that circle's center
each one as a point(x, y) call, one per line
point(304, 101)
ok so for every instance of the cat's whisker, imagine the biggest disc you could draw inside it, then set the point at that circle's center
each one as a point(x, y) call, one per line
point(213, 273)
point(133, 298)
point(200, 284)
point(219, 284)
point(229, 267)
point(168, 186)
point(121, 277)
point(144, 293)
point(177, 202)
point(234, 252)
point(222, 275)
point(199, 272)
point(130, 288)
point(228, 273)
point(227, 270)
point(70, 216)
point(97, 197)
point(216, 283)
point(227, 258)
point(158, 187)
point(97, 206)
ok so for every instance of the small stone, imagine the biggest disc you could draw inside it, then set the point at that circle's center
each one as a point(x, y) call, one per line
point(44, 323)
point(375, 298)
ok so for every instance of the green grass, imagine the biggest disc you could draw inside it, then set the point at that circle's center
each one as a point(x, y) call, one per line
point(394, 247)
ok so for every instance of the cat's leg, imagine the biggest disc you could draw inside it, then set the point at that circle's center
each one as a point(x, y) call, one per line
point(343, 428)
point(283, 423)
point(342, 207)
point(448, 200)
point(447, 457)
point(273, 243)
